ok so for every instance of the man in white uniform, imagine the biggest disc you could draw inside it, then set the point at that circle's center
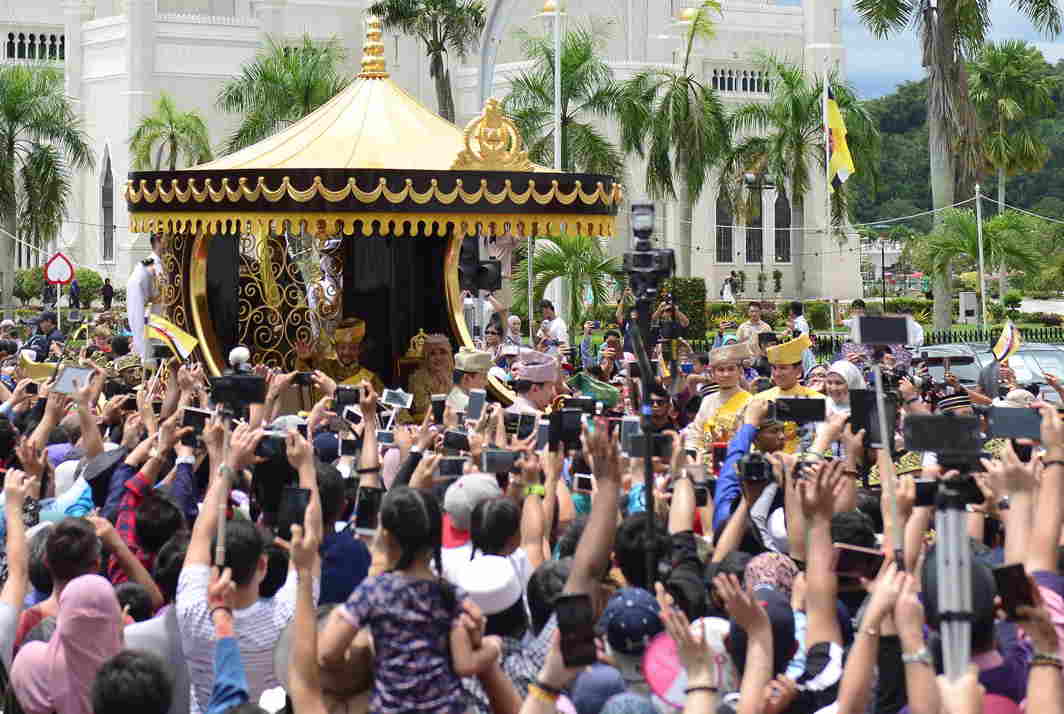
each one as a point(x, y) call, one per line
point(553, 328)
point(142, 290)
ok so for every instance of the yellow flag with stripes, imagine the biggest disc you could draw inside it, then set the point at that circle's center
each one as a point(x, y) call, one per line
point(180, 342)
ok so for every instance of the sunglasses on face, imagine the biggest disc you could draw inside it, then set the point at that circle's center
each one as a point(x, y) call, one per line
point(490, 332)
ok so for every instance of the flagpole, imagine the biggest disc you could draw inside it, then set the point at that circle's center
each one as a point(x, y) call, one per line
point(979, 232)
point(827, 161)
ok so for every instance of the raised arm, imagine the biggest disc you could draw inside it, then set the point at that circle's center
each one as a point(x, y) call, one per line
point(858, 675)
point(303, 672)
point(369, 463)
point(818, 493)
point(593, 551)
point(1049, 511)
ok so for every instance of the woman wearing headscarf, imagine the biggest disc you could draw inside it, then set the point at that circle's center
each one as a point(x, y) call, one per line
point(842, 376)
point(434, 376)
point(57, 676)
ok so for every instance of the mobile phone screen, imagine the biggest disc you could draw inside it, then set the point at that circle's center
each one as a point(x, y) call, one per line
point(1013, 587)
point(294, 502)
point(577, 627)
point(367, 509)
point(455, 440)
point(1015, 423)
point(197, 419)
point(348, 447)
point(855, 562)
point(65, 383)
point(942, 433)
point(475, 408)
point(439, 403)
point(582, 483)
point(451, 467)
point(543, 434)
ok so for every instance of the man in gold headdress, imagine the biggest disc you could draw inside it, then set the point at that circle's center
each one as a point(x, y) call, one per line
point(786, 361)
point(343, 366)
point(470, 372)
point(721, 412)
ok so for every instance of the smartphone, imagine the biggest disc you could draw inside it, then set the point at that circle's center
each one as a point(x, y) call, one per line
point(451, 467)
point(1015, 423)
point(583, 404)
point(352, 415)
point(1024, 452)
point(385, 437)
point(64, 383)
point(302, 429)
point(634, 370)
point(565, 428)
point(942, 433)
point(348, 447)
point(195, 418)
point(455, 440)
point(966, 485)
point(1014, 588)
point(720, 455)
point(662, 447)
point(497, 461)
point(543, 434)
point(881, 331)
point(34, 388)
point(304, 379)
point(799, 410)
point(439, 403)
point(397, 398)
point(701, 494)
point(576, 624)
point(367, 509)
point(583, 483)
point(767, 339)
point(129, 404)
point(157, 407)
point(271, 446)
point(294, 502)
point(347, 396)
point(856, 562)
point(926, 491)
point(475, 408)
point(687, 367)
point(629, 429)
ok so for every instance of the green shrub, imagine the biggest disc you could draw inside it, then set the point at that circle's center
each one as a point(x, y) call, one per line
point(90, 282)
point(996, 311)
point(1012, 300)
point(818, 314)
point(29, 284)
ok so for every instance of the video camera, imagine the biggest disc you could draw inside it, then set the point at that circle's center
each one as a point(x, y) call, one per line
point(754, 468)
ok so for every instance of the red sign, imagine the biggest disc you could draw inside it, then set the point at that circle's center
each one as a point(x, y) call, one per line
point(58, 270)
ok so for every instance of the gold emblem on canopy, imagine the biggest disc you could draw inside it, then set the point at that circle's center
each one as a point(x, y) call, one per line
point(492, 143)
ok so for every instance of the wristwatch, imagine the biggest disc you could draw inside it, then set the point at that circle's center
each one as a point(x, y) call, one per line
point(922, 656)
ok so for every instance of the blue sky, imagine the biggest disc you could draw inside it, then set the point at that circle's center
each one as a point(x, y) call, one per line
point(876, 66)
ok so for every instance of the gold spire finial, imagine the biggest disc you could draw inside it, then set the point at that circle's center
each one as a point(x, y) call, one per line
point(373, 66)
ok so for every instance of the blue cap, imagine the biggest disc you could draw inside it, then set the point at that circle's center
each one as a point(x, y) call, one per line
point(327, 446)
point(632, 617)
point(594, 686)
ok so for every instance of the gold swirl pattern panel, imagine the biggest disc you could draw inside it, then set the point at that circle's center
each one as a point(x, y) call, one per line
point(173, 293)
point(376, 224)
point(141, 192)
point(271, 302)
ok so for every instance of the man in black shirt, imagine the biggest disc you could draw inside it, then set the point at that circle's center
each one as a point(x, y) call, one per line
point(45, 336)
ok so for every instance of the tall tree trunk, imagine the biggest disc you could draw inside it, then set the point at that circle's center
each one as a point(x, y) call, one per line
point(1003, 274)
point(798, 242)
point(940, 59)
point(443, 86)
point(683, 249)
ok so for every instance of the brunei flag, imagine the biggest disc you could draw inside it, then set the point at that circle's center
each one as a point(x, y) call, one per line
point(840, 163)
point(180, 341)
point(1008, 343)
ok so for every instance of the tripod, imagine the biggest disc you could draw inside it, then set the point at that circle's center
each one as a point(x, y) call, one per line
point(953, 564)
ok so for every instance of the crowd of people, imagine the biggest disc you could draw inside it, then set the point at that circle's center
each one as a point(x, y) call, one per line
point(175, 543)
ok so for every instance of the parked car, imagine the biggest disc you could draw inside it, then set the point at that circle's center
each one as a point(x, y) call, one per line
point(1030, 363)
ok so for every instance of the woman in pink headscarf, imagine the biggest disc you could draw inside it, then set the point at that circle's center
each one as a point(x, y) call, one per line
point(57, 676)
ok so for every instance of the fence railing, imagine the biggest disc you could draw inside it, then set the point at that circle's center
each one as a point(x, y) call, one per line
point(826, 346)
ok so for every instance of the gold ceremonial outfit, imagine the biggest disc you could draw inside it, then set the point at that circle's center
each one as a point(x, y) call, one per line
point(346, 374)
point(423, 385)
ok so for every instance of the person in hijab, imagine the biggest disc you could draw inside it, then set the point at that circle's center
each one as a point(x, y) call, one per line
point(814, 377)
point(842, 377)
point(57, 676)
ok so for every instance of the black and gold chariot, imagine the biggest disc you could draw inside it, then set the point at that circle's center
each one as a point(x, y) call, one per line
point(356, 211)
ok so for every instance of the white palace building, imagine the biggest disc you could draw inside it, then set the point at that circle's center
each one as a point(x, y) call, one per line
point(118, 55)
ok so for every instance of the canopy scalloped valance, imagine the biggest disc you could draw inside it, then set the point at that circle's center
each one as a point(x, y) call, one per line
point(188, 190)
point(376, 223)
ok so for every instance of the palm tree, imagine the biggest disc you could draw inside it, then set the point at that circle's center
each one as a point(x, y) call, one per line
point(950, 30)
point(786, 136)
point(166, 134)
point(46, 188)
point(443, 26)
point(588, 89)
point(678, 125)
point(35, 113)
point(282, 85)
point(1011, 89)
point(579, 261)
point(1007, 240)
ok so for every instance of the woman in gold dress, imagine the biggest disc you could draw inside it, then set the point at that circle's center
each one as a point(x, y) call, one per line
point(434, 376)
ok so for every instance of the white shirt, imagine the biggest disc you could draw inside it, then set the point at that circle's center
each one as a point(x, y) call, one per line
point(257, 630)
point(454, 559)
point(916, 332)
point(801, 325)
point(555, 330)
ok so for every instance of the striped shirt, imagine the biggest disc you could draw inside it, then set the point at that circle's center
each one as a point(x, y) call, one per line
point(257, 630)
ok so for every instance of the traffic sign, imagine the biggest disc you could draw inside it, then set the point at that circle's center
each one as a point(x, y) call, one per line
point(58, 270)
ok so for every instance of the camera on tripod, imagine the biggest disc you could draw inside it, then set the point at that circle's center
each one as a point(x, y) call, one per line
point(646, 266)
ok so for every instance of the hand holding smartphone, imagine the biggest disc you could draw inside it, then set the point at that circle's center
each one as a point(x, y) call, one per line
point(576, 625)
